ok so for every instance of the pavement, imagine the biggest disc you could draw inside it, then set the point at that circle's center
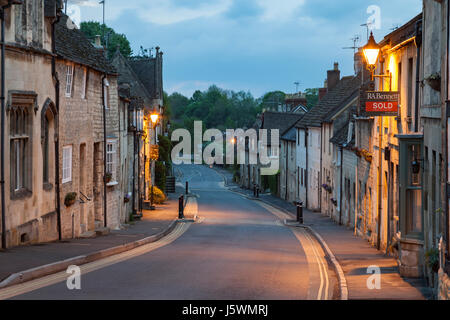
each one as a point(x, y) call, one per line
point(26, 257)
point(354, 254)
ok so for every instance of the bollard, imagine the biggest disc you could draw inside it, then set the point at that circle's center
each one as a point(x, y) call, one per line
point(300, 213)
point(254, 190)
point(187, 187)
point(181, 207)
point(257, 192)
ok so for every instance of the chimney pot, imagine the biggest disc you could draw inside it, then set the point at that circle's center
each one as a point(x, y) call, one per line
point(98, 41)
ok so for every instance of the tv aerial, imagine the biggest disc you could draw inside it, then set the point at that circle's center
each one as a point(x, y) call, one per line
point(355, 40)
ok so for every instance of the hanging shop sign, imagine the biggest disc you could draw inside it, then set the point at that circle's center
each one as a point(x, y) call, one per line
point(154, 152)
point(380, 103)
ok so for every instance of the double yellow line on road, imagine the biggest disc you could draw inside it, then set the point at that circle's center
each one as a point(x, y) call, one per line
point(46, 281)
point(317, 265)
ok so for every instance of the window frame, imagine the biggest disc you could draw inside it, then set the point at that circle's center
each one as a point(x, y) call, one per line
point(113, 161)
point(67, 164)
point(69, 80)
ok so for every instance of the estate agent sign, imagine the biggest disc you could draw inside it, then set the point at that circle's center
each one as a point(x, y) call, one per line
point(380, 103)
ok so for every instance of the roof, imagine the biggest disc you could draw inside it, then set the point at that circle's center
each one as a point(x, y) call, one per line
point(403, 33)
point(72, 44)
point(149, 72)
point(331, 100)
point(290, 135)
point(341, 136)
point(128, 76)
point(282, 121)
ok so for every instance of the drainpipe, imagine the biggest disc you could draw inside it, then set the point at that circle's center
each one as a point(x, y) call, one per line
point(447, 222)
point(287, 171)
point(340, 192)
point(418, 45)
point(105, 212)
point(134, 170)
point(2, 98)
point(57, 90)
point(320, 170)
point(306, 173)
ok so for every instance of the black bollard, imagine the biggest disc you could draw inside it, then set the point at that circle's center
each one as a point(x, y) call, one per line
point(300, 213)
point(257, 192)
point(181, 207)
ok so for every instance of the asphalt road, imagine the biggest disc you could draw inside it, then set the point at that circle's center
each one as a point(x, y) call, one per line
point(237, 249)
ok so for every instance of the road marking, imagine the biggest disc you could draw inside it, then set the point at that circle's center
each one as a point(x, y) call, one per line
point(49, 280)
point(313, 251)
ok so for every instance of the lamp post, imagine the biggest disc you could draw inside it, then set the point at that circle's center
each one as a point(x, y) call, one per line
point(371, 52)
point(154, 119)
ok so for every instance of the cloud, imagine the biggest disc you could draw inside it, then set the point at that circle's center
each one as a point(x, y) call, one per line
point(280, 9)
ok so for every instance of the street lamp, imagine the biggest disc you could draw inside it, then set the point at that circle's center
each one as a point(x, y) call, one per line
point(371, 52)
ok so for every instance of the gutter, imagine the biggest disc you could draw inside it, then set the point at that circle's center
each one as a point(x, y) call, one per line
point(105, 211)
point(57, 92)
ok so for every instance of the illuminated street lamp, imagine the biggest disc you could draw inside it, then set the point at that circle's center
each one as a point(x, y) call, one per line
point(371, 52)
point(154, 117)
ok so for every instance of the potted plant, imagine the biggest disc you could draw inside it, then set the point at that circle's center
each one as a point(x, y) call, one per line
point(432, 259)
point(434, 81)
point(127, 197)
point(70, 199)
point(108, 177)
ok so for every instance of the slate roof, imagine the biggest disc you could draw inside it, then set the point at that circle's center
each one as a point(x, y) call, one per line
point(290, 135)
point(128, 76)
point(341, 136)
point(72, 44)
point(332, 100)
point(282, 121)
point(147, 71)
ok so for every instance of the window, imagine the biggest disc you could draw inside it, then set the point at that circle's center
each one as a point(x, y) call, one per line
point(410, 85)
point(85, 84)
point(67, 164)
point(20, 148)
point(45, 150)
point(69, 80)
point(111, 158)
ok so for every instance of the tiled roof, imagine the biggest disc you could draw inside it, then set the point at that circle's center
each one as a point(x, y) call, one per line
point(341, 136)
point(279, 120)
point(128, 76)
point(290, 135)
point(71, 44)
point(147, 71)
point(333, 99)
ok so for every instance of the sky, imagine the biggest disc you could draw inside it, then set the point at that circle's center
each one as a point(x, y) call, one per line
point(249, 45)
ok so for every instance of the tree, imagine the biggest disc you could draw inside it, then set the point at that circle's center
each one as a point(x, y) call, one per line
point(110, 39)
point(312, 97)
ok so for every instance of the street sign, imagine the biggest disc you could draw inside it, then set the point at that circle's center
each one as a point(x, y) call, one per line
point(380, 103)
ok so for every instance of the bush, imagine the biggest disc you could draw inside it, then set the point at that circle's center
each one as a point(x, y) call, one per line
point(158, 196)
point(432, 259)
point(160, 175)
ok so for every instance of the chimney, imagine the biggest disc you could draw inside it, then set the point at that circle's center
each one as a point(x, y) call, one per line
point(98, 40)
point(333, 77)
point(323, 91)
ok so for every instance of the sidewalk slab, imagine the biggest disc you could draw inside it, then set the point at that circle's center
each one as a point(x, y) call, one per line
point(353, 253)
point(26, 257)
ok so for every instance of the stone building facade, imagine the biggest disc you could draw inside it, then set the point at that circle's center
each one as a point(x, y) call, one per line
point(30, 212)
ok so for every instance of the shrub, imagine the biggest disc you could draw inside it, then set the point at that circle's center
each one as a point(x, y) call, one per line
point(158, 196)
point(70, 198)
